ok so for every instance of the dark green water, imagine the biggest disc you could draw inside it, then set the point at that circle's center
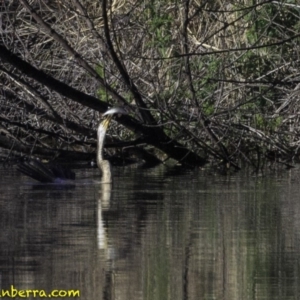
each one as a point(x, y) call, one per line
point(155, 234)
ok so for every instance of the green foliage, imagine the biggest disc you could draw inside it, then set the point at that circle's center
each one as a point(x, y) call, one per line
point(159, 24)
point(100, 71)
point(253, 65)
point(208, 107)
point(260, 122)
point(268, 23)
point(270, 20)
point(206, 85)
point(101, 93)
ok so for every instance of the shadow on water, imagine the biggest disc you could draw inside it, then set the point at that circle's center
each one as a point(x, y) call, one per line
point(154, 233)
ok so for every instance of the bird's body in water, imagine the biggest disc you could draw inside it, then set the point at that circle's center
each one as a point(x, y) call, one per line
point(53, 173)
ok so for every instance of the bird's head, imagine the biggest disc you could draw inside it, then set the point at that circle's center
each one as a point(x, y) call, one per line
point(115, 110)
point(110, 113)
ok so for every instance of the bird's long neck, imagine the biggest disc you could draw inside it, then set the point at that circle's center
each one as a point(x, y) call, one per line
point(102, 164)
point(100, 142)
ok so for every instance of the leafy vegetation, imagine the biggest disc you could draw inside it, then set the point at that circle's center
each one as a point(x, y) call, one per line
point(217, 78)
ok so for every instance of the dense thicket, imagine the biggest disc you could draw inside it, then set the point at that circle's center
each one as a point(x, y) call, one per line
point(202, 80)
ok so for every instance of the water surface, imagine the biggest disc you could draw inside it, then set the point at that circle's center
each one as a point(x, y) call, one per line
point(155, 234)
